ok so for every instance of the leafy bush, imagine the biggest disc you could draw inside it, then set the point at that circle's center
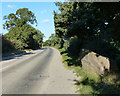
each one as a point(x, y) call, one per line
point(21, 33)
point(75, 46)
point(101, 47)
point(7, 46)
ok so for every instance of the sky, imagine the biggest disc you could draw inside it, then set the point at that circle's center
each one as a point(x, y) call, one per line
point(42, 10)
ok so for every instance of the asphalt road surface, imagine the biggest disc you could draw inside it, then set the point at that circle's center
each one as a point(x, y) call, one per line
point(37, 72)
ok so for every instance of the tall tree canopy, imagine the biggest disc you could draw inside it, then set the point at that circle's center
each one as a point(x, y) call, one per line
point(86, 20)
point(20, 18)
point(21, 32)
point(90, 23)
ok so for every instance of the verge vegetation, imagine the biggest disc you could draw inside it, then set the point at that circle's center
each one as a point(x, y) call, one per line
point(92, 27)
point(21, 35)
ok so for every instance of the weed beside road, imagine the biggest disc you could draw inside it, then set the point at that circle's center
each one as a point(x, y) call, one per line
point(90, 83)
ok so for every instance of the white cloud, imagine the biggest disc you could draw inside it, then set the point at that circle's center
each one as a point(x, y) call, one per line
point(45, 21)
point(10, 6)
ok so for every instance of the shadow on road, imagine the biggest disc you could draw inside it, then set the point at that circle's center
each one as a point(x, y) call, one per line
point(19, 55)
point(42, 48)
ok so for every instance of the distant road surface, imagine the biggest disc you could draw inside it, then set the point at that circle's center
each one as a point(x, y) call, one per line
point(38, 72)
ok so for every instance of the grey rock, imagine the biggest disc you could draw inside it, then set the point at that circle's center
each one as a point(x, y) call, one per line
point(95, 63)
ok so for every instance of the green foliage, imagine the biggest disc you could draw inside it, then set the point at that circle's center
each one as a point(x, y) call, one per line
point(66, 44)
point(90, 83)
point(91, 87)
point(102, 47)
point(75, 47)
point(94, 27)
point(111, 13)
point(88, 20)
point(46, 43)
point(7, 46)
point(39, 38)
point(54, 40)
point(77, 19)
point(20, 18)
point(21, 33)
point(25, 37)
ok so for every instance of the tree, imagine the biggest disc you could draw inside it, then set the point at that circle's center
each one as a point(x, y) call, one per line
point(7, 46)
point(21, 33)
point(88, 20)
point(39, 38)
point(53, 40)
point(20, 18)
point(89, 23)
point(78, 19)
point(25, 37)
point(111, 12)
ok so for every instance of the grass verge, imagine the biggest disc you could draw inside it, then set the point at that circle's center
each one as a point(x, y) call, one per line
point(91, 83)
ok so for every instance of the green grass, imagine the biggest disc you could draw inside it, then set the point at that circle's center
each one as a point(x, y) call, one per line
point(93, 84)
point(90, 83)
point(86, 89)
point(84, 84)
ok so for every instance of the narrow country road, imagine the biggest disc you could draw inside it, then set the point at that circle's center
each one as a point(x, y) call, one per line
point(38, 72)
